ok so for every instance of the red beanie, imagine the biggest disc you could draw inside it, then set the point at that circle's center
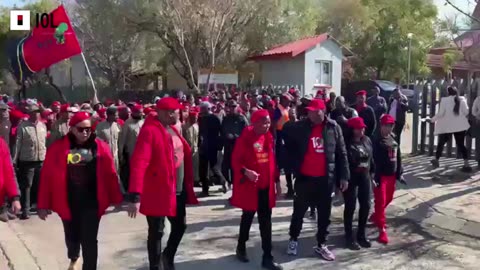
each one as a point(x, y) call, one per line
point(78, 117)
point(258, 115)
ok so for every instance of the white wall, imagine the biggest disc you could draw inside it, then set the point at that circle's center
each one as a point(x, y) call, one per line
point(279, 72)
point(327, 51)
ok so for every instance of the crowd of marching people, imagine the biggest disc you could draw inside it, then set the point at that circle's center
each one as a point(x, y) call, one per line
point(78, 159)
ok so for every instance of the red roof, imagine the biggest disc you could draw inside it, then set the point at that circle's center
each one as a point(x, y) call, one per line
point(294, 48)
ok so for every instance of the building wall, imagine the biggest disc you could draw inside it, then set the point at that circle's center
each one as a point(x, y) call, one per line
point(326, 51)
point(280, 72)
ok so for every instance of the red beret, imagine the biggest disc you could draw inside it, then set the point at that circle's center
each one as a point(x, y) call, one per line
point(147, 110)
point(56, 103)
point(78, 117)
point(387, 119)
point(193, 112)
point(361, 93)
point(64, 108)
point(316, 105)
point(258, 115)
point(168, 103)
point(137, 108)
point(356, 123)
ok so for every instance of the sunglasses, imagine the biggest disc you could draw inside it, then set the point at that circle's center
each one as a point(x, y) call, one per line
point(84, 129)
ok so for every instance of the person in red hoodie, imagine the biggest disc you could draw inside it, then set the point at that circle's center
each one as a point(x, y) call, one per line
point(161, 181)
point(254, 176)
point(78, 181)
point(8, 184)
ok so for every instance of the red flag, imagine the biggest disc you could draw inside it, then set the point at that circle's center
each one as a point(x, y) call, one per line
point(47, 46)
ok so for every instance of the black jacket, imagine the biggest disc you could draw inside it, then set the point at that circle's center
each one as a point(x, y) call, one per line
point(360, 155)
point(297, 137)
point(209, 141)
point(370, 120)
point(402, 108)
point(234, 125)
point(387, 157)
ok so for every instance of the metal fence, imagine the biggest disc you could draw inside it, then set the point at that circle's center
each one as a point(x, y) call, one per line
point(426, 103)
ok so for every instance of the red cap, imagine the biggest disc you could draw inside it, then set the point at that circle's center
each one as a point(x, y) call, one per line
point(316, 105)
point(56, 103)
point(46, 113)
point(387, 119)
point(258, 115)
point(356, 123)
point(168, 103)
point(78, 117)
point(361, 93)
point(193, 111)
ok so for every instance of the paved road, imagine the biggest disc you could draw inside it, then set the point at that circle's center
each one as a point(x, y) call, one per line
point(423, 236)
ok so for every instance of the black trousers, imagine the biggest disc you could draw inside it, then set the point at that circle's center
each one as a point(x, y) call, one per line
point(125, 172)
point(359, 187)
point(312, 191)
point(208, 161)
point(28, 177)
point(227, 164)
point(265, 222)
point(156, 226)
point(459, 140)
point(397, 130)
point(82, 232)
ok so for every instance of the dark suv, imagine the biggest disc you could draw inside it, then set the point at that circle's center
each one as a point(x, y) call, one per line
point(386, 89)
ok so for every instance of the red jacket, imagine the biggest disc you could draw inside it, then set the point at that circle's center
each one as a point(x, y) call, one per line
point(53, 187)
point(8, 185)
point(153, 173)
point(245, 195)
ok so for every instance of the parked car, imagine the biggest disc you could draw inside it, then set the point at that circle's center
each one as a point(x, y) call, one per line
point(386, 89)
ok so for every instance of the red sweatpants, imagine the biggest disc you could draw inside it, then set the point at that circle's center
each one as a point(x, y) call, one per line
point(383, 197)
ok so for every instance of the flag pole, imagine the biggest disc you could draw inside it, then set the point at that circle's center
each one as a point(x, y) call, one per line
point(95, 98)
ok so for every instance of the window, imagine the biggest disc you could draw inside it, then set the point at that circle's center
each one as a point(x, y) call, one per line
point(323, 72)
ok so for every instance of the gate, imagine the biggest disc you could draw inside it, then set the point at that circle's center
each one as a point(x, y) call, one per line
point(427, 99)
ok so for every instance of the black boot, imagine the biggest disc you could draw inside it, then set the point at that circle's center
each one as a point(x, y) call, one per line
point(363, 242)
point(167, 263)
point(242, 254)
point(351, 244)
point(271, 265)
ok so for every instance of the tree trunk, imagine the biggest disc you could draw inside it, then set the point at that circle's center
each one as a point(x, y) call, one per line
point(52, 84)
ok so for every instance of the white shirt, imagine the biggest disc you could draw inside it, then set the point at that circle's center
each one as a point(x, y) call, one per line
point(393, 109)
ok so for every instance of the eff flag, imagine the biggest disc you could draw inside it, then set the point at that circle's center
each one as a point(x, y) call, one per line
point(46, 46)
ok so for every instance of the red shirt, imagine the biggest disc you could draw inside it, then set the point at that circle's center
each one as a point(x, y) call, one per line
point(315, 161)
point(263, 164)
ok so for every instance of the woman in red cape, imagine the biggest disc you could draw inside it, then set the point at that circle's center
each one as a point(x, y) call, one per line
point(78, 181)
point(254, 168)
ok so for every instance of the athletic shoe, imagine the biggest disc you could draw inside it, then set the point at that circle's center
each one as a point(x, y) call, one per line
point(292, 248)
point(326, 254)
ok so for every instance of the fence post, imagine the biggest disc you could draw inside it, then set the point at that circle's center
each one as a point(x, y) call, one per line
point(423, 130)
point(415, 121)
point(433, 104)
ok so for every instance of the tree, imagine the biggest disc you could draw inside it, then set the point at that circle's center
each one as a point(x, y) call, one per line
point(196, 32)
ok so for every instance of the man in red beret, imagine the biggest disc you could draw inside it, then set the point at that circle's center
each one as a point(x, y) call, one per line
point(388, 170)
point(366, 112)
point(318, 155)
point(161, 181)
point(255, 186)
point(127, 140)
point(360, 160)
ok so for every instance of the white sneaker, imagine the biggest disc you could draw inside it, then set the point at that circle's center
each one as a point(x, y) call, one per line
point(292, 248)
